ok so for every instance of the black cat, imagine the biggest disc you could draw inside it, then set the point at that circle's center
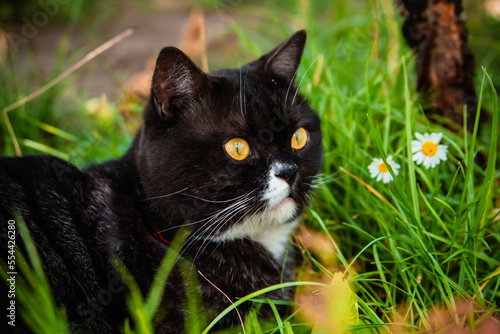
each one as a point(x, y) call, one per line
point(231, 155)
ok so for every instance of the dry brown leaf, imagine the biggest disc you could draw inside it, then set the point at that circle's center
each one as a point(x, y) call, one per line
point(193, 39)
point(192, 42)
point(4, 46)
point(317, 243)
point(139, 84)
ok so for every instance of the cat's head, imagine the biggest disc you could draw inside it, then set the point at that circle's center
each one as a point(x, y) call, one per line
point(232, 153)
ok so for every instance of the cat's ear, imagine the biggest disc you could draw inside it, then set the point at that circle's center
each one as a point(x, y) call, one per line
point(284, 60)
point(175, 81)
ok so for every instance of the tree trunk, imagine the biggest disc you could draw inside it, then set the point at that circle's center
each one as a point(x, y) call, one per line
point(435, 30)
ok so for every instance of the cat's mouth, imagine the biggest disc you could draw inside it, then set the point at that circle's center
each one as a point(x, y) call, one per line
point(285, 202)
point(282, 212)
point(280, 209)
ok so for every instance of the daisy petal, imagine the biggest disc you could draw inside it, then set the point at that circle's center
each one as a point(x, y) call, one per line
point(419, 136)
point(443, 148)
point(442, 156)
point(416, 146)
point(427, 163)
point(418, 157)
point(436, 137)
point(395, 165)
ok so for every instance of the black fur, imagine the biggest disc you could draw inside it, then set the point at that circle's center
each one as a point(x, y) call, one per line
point(176, 173)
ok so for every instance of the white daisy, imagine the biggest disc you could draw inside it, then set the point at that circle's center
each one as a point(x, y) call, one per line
point(427, 150)
point(379, 170)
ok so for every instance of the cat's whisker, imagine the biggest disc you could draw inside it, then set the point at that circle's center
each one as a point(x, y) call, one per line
point(256, 209)
point(219, 224)
point(178, 226)
point(322, 178)
point(199, 221)
point(216, 231)
point(236, 223)
point(241, 93)
point(244, 95)
point(242, 198)
point(185, 224)
point(215, 221)
point(303, 76)
point(217, 228)
point(250, 214)
point(214, 218)
point(306, 197)
point(207, 238)
point(242, 203)
point(212, 201)
point(291, 82)
point(327, 181)
point(233, 208)
point(167, 195)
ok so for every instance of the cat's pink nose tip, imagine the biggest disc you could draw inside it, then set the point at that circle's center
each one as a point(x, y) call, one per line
point(288, 173)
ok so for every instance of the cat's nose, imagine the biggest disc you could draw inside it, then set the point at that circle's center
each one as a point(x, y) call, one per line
point(287, 173)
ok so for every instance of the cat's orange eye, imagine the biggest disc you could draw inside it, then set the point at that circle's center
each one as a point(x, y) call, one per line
point(299, 138)
point(237, 148)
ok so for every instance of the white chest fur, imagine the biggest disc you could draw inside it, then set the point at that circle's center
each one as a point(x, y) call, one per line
point(275, 239)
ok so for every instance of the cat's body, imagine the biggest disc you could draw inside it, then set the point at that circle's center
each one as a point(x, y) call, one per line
point(179, 171)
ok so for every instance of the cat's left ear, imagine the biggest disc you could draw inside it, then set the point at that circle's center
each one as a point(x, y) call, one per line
point(284, 60)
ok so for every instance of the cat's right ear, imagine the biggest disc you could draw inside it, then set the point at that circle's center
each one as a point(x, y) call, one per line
point(175, 82)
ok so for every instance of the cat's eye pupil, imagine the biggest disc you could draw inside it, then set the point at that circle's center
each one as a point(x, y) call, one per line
point(237, 148)
point(297, 137)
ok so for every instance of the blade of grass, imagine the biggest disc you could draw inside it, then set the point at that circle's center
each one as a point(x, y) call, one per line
point(409, 136)
point(156, 292)
point(88, 57)
point(252, 47)
point(486, 192)
point(103, 47)
point(44, 149)
point(255, 294)
point(276, 315)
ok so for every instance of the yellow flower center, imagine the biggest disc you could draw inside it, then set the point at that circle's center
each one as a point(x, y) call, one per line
point(382, 168)
point(429, 148)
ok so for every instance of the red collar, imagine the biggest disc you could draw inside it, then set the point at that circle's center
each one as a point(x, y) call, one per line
point(157, 234)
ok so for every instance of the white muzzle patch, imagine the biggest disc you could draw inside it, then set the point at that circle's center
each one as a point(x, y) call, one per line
point(272, 226)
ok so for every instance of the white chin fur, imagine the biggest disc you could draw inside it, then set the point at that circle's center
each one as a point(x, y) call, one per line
point(272, 226)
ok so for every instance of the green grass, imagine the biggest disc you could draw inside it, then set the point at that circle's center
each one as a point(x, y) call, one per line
point(33, 297)
point(426, 241)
